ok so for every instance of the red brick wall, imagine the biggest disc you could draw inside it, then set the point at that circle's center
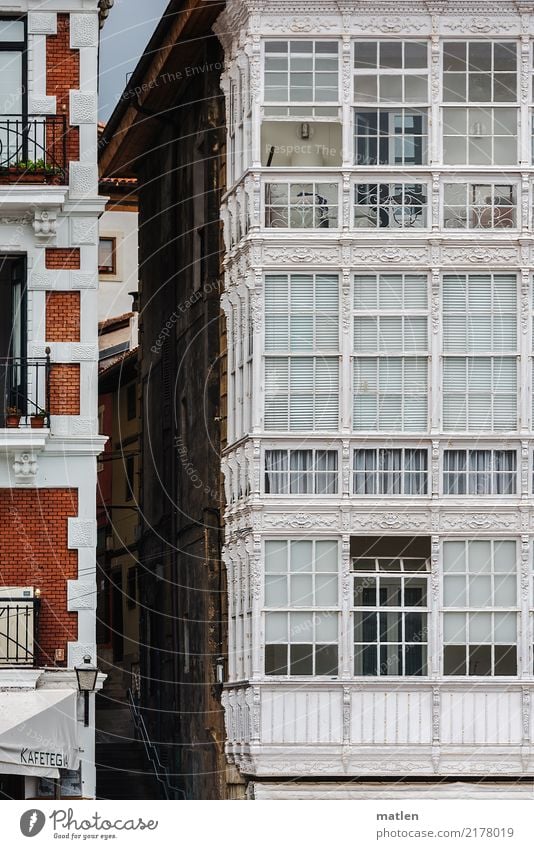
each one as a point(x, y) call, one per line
point(62, 317)
point(33, 552)
point(62, 74)
point(62, 258)
point(65, 389)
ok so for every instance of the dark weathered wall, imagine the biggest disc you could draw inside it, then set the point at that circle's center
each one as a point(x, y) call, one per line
point(182, 592)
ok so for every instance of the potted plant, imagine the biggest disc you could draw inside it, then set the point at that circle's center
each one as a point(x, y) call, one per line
point(12, 417)
point(37, 420)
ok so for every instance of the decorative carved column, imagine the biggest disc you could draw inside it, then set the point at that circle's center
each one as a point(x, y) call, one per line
point(434, 394)
point(346, 604)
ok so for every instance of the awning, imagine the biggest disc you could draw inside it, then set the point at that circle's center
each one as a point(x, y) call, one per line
point(38, 732)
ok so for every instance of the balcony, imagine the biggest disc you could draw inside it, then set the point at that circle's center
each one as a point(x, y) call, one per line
point(25, 388)
point(374, 728)
point(33, 149)
point(19, 619)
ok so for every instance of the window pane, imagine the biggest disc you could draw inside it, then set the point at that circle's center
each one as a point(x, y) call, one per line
point(276, 627)
point(390, 592)
point(276, 556)
point(479, 660)
point(505, 660)
point(365, 627)
point(326, 627)
point(365, 660)
point(275, 590)
point(505, 591)
point(454, 660)
point(480, 628)
point(301, 660)
point(301, 556)
point(454, 628)
point(454, 594)
point(479, 554)
point(326, 556)
point(326, 660)
point(454, 557)
point(505, 627)
point(480, 592)
point(504, 556)
point(301, 591)
point(275, 660)
point(365, 592)
point(326, 590)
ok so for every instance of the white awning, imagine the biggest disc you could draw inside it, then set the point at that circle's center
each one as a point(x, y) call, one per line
point(38, 732)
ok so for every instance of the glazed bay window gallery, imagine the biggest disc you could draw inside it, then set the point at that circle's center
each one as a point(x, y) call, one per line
point(480, 607)
point(480, 92)
point(390, 352)
point(479, 472)
point(398, 206)
point(390, 615)
point(390, 471)
point(301, 122)
point(302, 352)
point(301, 205)
point(479, 352)
point(301, 472)
point(301, 601)
point(391, 102)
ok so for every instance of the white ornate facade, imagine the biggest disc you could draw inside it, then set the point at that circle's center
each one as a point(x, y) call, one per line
point(379, 469)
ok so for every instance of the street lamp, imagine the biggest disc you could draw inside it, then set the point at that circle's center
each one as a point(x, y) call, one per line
point(86, 676)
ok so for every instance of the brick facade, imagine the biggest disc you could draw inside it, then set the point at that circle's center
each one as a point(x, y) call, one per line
point(34, 553)
point(63, 317)
point(63, 74)
point(62, 258)
point(65, 389)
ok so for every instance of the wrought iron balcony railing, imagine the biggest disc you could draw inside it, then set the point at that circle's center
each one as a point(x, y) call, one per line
point(25, 388)
point(33, 148)
point(19, 621)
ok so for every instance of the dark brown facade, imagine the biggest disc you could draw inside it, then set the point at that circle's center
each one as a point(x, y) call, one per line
point(171, 137)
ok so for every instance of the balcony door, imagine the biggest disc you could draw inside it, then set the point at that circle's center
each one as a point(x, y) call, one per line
point(13, 333)
point(13, 100)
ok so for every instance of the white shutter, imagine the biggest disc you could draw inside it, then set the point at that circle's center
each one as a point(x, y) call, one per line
point(301, 295)
point(479, 332)
point(276, 393)
point(390, 412)
point(454, 293)
point(301, 394)
point(415, 334)
point(415, 292)
point(276, 332)
point(415, 394)
point(327, 293)
point(326, 393)
point(479, 292)
point(276, 293)
point(504, 332)
point(504, 293)
point(326, 332)
point(365, 333)
point(301, 332)
point(390, 333)
point(365, 292)
point(365, 394)
point(390, 291)
point(454, 393)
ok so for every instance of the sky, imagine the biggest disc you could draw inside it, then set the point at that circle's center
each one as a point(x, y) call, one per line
point(123, 39)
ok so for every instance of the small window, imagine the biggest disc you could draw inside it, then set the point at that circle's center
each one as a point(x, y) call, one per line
point(131, 402)
point(301, 472)
point(390, 471)
point(107, 263)
point(480, 472)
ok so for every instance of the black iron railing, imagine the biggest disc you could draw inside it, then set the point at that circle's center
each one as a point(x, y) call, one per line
point(34, 145)
point(19, 622)
point(25, 389)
